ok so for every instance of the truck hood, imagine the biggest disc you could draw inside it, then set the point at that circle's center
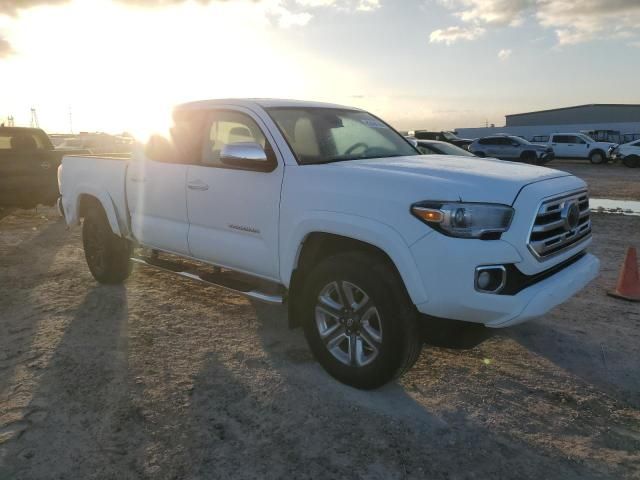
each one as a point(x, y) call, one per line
point(452, 178)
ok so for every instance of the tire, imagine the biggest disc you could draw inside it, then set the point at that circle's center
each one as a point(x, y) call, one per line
point(632, 161)
point(107, 254)
point(597, 157)
point(530, 158)
point(387, 342)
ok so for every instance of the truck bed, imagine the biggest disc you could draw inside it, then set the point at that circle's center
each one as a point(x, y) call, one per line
point(77, 179)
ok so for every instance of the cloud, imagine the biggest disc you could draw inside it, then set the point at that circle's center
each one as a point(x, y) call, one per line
point(504, 54)
point(494, 12)
point(451, 35)
point(572, 21)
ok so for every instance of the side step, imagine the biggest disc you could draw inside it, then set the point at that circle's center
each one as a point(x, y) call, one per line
point(235, 282)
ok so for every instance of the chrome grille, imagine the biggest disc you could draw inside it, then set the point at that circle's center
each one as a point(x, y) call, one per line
point(559, 225)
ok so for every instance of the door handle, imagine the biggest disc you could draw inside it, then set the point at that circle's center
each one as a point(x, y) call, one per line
point(197, 185)
point(138, 179)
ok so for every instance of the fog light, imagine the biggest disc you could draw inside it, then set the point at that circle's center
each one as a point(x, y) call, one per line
point(490, 279)
point(484, 279)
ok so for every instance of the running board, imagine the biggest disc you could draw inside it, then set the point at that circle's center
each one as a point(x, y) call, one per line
point(226, 280)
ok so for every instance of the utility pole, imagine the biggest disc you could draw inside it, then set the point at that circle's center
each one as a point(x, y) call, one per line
point(34, 118)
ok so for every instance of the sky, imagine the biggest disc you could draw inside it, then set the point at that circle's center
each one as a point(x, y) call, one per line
point(119, 65)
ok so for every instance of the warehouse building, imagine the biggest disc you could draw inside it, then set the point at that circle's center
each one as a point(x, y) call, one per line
point(609, 122)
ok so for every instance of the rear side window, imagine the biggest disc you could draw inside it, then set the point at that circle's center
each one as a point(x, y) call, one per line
point(22, 141)
point(486, 141)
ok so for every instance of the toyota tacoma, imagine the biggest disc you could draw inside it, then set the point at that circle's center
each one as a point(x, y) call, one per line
point(329, 209)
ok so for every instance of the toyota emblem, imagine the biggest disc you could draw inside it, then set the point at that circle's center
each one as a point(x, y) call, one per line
point(571, 215)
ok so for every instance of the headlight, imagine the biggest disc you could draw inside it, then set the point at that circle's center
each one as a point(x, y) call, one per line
point(466, 220)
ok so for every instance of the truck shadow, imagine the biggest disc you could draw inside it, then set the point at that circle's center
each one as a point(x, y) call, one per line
point(80, 419)
point(18, 330)
point(280, 415)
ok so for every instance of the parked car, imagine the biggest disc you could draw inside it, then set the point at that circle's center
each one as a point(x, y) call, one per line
point(28, 166)
point(448, 137)
point(331, 209)
point(630, 137)
point(435, 147)
point(510, 147)
point(579, 145)
point(628, 154)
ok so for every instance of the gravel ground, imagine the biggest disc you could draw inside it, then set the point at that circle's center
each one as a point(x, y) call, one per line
point(612, 180)
point(164, 378)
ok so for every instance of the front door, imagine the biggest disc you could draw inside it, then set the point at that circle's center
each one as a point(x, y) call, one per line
point(560, 145)
point(234, 213)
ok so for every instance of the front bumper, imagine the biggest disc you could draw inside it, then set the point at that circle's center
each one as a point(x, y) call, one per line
point(452, 293)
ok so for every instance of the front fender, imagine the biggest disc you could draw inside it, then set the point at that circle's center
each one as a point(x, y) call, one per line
point(355, 227)
point(71, 206)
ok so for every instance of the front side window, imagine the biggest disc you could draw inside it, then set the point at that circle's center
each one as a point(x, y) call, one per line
point(324, 135)
point(228, 127)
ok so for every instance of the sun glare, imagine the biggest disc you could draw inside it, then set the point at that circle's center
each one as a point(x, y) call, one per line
point(123, 68)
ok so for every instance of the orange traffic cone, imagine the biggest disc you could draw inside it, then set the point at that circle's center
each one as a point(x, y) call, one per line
point(628, 287)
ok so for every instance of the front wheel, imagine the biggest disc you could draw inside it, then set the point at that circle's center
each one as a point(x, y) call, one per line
point(632, 161)
point(107, 254)
point(359, 321)
point(597, 157)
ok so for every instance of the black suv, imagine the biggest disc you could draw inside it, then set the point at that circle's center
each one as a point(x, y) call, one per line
point(28, 167)
point(448, 137)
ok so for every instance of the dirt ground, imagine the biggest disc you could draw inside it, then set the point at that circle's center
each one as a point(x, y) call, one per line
point(612, 180)
point(167, 379)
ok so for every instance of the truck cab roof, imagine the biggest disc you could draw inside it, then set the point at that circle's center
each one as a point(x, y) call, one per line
point(258, 102)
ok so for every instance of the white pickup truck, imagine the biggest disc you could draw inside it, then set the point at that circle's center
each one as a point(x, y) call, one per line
point(579, 145)
point(330, 209)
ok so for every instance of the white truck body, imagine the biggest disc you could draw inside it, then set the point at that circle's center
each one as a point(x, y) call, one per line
point(579, 145)
point(258, 222)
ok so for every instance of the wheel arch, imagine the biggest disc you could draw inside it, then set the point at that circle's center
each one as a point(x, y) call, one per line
point(358, 234)
point(91, 199)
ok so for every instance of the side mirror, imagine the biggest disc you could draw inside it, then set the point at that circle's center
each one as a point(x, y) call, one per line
point(246, 155)
point(159, 149)
point(413, 142)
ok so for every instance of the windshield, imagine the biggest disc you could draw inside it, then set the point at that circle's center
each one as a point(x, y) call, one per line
point(324, 135)
point(446, 149)
point(451, 136)
point(520, 140)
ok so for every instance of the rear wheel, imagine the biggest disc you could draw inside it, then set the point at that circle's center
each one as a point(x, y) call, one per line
point(597, 157)
point(107, 254)
point(358, 320)
point(632, 161)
